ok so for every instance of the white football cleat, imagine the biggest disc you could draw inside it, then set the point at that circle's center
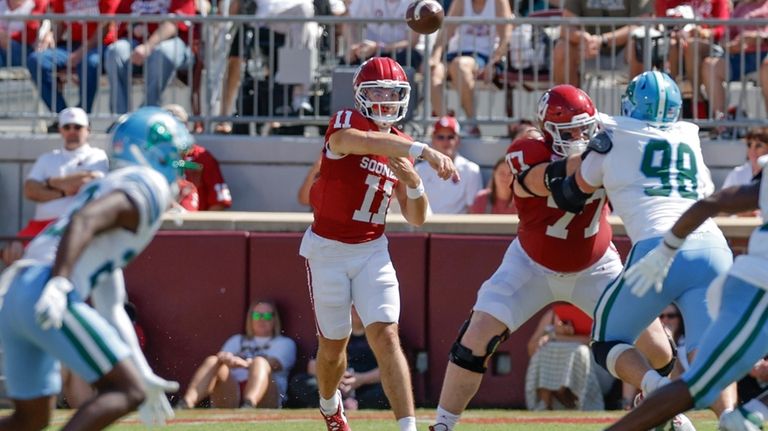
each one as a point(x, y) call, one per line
point(741, 419)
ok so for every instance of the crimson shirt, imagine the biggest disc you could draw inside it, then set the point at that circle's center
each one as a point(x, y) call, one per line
point(553, 238)
point(87, 7)
point(155, 7)
point(211, 187)
point(351, 195)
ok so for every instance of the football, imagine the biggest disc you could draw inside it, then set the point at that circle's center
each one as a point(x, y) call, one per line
point(424, 16)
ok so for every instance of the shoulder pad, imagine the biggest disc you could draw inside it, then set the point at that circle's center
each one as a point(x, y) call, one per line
point(601, 142)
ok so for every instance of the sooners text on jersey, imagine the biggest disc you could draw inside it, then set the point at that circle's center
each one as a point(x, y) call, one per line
point(351, 196)
point(553, 238)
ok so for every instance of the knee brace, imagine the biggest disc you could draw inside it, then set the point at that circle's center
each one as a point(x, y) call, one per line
point(666, 369)
point(463, 357)
point(606, 353)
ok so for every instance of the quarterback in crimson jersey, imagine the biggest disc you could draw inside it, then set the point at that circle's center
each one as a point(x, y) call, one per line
point(365, 161)
point(557, 256)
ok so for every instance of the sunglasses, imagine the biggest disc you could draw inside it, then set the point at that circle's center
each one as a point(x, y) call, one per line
point(669, 315)
point(71, 127)
point(267, 315)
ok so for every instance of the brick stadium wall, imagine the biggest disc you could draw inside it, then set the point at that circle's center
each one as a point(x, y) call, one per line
point(192, 288)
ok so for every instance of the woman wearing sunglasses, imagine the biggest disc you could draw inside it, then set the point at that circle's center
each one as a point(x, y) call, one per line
point(251, 369)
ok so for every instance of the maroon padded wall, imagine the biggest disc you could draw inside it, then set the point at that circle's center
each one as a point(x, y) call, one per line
point(458, 265)
point(190, 293)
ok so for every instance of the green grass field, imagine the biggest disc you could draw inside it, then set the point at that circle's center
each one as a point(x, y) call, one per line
point(306, 420)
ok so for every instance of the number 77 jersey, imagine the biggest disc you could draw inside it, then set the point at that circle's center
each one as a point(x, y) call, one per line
point(351, 196)
point(651, 175)
point(558, 240)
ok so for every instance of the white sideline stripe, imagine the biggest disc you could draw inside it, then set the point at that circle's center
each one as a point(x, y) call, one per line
point(733, 346)
point(87, 342)
point(660, 84)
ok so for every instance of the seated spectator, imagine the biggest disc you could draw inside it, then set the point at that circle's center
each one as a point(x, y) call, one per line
point(692, 43)
point(754, 383)
point(361, 385)
point(79, 48)
point(757, 145)
point(672, 320)
point(211, 192)
point(472, 49)
point(58, 175)
point(497, 198)
point(562, 337)
point(19, 38)
point(450, 197)
point(251, 370)
point(610, 46)
point(382, 40)
point(158, 48)
point(741, 40)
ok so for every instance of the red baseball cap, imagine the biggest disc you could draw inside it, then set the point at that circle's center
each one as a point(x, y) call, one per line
point(447, 122)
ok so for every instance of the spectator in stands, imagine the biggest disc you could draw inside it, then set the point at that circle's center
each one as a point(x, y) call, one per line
point(79, 48)
point(158, 48)
point(18, 38)
point(251, 370)
point(383, 40)
point(205, 175)
point(497, 198)
point(58, 175)
point(695, 41)
point(472, 49)
point(561, 373)
point(608, 45)
point(754, 383)
point(361, 385)
point(741, 40)
point(757, 145)
point(672, 320)
point(453, 196)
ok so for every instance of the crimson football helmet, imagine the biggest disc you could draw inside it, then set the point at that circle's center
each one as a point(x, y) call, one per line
point(568, 119)
point(382, 91)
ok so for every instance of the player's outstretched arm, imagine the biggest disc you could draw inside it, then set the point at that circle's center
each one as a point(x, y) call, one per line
point(409, 191)
point(536, 181)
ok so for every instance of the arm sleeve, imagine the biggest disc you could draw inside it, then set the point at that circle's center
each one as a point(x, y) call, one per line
point(38, 172)
point(232, 345)
point(474, 186)
point(108, 299)
point(592, 169)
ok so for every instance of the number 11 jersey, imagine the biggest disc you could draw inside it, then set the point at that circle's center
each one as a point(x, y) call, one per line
point(351, 196)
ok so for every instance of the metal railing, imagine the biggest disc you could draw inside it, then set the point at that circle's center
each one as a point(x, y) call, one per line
point(265, 98)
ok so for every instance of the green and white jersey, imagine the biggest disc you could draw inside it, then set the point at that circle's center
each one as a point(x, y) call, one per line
point(751, 267)
point(114, 248)
point(651, 175)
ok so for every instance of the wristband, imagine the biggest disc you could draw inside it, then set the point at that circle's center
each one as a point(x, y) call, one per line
point(673, 241)
point(415, 192)
point(416, 150)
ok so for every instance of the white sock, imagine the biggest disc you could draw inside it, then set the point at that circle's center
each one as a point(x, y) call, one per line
point(407, 423)
point(330, 406)
point(447, 418)
point(652, 380)
point(758, 407)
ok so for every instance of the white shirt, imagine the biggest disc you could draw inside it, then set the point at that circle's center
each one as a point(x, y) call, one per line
point(63, 162)
point(447, 196)
point(281, 348)
point(651, 175)
point(382, 33)
point(480, 38)
point(739, 176)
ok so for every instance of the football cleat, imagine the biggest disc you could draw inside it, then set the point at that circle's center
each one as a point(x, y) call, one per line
point(439, 427)
point(337, 421)
point(741, 419)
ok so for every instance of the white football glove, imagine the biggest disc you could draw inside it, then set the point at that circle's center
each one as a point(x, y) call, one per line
point(650, 270)
point(156, 409)
point(52, 304)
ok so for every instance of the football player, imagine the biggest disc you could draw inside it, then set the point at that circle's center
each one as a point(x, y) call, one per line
point(365, 160)
point(558, 255)
point(43, 317)
point(651, 166)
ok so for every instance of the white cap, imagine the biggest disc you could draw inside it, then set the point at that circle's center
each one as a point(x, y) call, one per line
point(73, 116)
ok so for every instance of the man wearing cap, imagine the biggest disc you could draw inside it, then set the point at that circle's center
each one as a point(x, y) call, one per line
point(57, 176)
point(450, 197)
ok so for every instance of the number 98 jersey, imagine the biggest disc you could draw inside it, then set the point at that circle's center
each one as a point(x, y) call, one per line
point(556, 239)
point(351, 196)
